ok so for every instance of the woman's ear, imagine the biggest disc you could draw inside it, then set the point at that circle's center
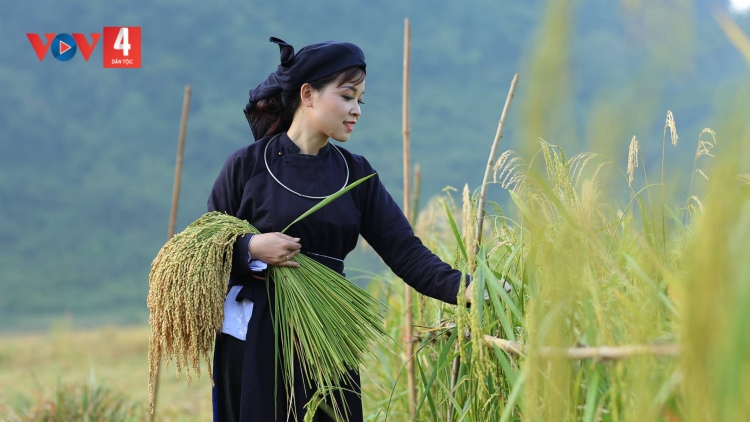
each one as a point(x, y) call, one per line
point(306, 94)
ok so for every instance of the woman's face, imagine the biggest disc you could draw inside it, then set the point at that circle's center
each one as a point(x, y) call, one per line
point(336, 109)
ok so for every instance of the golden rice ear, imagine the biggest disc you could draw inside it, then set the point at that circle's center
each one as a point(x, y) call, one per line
point(187, 286)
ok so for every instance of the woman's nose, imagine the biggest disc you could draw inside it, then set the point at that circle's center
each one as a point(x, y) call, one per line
point(356, 111)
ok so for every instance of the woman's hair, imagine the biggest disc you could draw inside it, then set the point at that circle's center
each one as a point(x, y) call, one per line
point(274, 115)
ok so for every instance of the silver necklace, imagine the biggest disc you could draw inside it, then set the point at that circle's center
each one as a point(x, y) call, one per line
point(265, 159)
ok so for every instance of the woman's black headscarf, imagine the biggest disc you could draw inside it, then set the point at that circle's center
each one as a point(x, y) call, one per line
point(312, 62)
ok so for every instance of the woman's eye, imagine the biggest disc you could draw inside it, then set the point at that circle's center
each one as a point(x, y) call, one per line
point(348, 98)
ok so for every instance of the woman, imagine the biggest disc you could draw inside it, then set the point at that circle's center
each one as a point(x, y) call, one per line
point(314, 95)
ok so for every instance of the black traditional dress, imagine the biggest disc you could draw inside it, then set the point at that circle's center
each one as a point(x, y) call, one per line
point(244, 370)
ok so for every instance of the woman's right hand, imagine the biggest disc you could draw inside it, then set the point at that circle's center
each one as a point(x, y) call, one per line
point(275, 249)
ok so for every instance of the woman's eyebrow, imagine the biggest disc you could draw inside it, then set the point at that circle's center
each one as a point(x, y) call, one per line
point(352, 88)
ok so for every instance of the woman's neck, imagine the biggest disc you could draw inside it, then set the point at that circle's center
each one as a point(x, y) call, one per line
point(308, 141)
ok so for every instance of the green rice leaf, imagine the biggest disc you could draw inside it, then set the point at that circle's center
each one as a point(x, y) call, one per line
point(328, 200)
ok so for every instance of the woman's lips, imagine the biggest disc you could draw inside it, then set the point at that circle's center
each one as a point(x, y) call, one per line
point(349, 126)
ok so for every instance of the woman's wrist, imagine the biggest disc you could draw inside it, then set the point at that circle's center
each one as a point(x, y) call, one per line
point(249, 241)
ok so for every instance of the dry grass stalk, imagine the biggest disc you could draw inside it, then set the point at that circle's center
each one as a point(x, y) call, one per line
point(705, 147)
point(632, 159)
point(672, 128)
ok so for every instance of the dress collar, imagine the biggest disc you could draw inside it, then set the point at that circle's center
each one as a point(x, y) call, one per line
point(289, 147)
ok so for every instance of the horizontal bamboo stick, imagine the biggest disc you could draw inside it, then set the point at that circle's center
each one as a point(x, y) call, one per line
point(581, 353)
point(573, 353)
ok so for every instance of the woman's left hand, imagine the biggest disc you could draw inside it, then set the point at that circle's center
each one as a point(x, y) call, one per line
point(470, 288)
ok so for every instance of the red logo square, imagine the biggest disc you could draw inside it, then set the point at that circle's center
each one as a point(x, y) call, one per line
point(122, 47)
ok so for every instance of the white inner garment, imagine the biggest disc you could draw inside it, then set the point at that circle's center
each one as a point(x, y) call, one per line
point(236, 314)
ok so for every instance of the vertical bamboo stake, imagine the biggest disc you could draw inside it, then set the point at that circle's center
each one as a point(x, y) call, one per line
point(409, 341)
point(415, 193)
point(175, 201)
point(488, 170)
point(405, 121)
point(178, 164)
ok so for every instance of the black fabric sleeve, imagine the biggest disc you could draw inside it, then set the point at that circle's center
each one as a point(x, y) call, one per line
point(226, 193)
point(226, 196)
point(386, 229)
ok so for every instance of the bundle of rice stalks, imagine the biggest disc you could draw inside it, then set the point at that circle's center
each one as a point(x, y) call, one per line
point(328, 321)
point(320, 316)
point(187, 287)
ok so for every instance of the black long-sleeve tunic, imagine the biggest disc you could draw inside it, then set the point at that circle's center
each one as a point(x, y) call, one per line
point(245, 189)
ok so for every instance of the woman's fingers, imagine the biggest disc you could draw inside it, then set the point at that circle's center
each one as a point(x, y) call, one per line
point(286, 260)
point(287, 255)
point(286, 237)
point(288, 243)
point(293, 246)
point(275, 249)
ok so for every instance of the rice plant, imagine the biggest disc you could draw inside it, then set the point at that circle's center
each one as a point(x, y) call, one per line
point(614, 313)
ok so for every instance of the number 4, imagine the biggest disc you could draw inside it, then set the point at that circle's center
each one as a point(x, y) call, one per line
point(121, 43)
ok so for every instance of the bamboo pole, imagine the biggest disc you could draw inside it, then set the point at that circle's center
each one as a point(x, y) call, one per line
point(415, 193)
point(175, 200)
point(178, 164)
point(491, 159)
point(408, 337)
point(582, 353)
point(572, 353)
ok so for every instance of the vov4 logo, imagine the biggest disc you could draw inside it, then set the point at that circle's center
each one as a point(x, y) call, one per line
point(122, 46)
